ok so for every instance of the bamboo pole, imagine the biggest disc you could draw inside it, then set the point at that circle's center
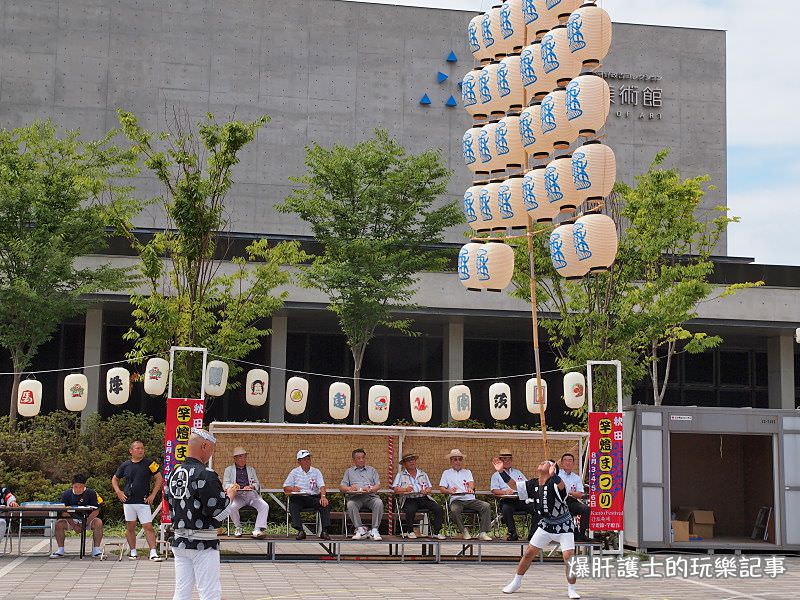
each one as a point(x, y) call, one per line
point(535, 325)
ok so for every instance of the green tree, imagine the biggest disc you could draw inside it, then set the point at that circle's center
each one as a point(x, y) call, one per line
point(636, 312)
point(197, 295)
point(373, 209)
point(60, 199)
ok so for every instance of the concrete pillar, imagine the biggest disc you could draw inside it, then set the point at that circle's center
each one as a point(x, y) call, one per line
point(453, 358)
point(92, 355)
point(277, 376)
point(780, 371)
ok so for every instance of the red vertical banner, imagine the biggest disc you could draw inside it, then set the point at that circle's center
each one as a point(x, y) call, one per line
point(606, 498)
point(182, 415)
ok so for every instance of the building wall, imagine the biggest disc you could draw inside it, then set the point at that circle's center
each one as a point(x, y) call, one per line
point(326, 71)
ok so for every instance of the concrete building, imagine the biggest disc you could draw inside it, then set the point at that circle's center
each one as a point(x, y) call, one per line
point(328, 71)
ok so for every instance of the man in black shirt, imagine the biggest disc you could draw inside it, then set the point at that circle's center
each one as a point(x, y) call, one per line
point(80, 495)
point(138, 473)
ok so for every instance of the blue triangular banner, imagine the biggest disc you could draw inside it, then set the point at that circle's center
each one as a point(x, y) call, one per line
point(425, 99)
point(441, 77)
point(452, 57)
point(451, 101)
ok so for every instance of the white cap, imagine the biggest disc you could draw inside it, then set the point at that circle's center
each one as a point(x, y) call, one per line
point(204, 434)
point(302, 454)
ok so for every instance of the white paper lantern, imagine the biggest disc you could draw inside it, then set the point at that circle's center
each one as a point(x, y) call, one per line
point(532, 398)
point(509, 84)
point(467, 271)
point(118, 385)
point(500, 401)
point(156, 376)
point(76, 392)
point(574, 389)
point(557, 60)
point(216, 378)
point(460, 402)
point(559, 187)
point(534, 195)
point(563, 255)
point(489, 92)
point(538, 20)
point(421, 400)
point(589, 35)
point(594, 170)
point(487, 149)
point(588, 102)
point(557, 131)
point(512, 26)
point(470, 205)
point(339, 394)
point(490, 32)
point(378, 400)
point(508, 144)
point(562, 8)
point(296, 395)
point(469, 92)
point(476, 39)
point(510, 203)
point(595, 240)
point(470, 149)
point(256, 387)
point(535, 81)
point(29, 398)
point(488, 217)
point(494, 263)
point(530, 130)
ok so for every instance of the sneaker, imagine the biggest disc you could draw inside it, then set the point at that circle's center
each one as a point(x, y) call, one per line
point(97, 554)
point(133, 556)
point(572, 592)
point(360, 534)
point(238, 532)
point(259, 534)
point(512, 537)
point(466, 535)
point(484, 537)
point(440, 536)
point(411, 536)
point(57, 554)
point(512, 587)
point(156, 558)
point(375, 536)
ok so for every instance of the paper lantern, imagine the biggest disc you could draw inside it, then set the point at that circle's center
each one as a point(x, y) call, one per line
point(471, 205)
point(489, 94)
point(557, 60)
point(508, 144)
point(512, 26)
point(467, 273)
point(560, 190)
point(256, 387)
point(76, 392)
point(421, 400)
point(216, 378)
point(476, 39)
point(561, 8)
point(595, 240)
point(538, 19)
point(29, 398)
point(488, 217)
point(118, 385)
point(378, 400)
point(534, 196)
point(510, 203)
point(589, 35)
point(156, 376)
point(460, 402)
point(536, 82)
point(532, 398)
point(339, 394)
point(469, 92)
point(574, 389)
point(494, 263)
point(530, 130)
point(563, 255)
point(557, 131)
point(509, 84)
point(490, 32)
point(500, 401)
point(470, 149)
point(594, 170)
point(296, 395)
point(487, 150)
point(588, 102)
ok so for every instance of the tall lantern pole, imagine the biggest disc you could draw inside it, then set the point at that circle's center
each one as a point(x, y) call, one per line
point(535, 325)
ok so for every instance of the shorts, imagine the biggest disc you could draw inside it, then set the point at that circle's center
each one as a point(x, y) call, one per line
point(141, 512)
point(542, 538)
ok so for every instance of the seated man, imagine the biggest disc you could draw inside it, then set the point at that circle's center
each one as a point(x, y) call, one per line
point(574, 485)
point(6, 499)
point(361, 482)
point(80, 495)
point(249, 493)
point(459, 483)
point(415, 486)
point(509, 499)
point(306, 490)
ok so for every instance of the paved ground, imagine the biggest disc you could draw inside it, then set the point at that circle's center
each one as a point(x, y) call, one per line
point(35, 577)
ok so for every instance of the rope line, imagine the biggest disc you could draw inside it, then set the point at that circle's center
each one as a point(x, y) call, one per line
point(113, 362)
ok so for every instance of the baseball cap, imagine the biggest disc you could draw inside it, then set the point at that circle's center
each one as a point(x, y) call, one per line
point(302, 454)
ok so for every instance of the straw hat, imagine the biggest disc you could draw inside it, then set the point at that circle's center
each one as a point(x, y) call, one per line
point(505, 452)
point(455, 452)
point(239, 451)
point(408, 455)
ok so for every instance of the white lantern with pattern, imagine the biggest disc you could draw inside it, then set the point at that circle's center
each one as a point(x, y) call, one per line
point(595, 241)
point(29, 398)
point(378, 400)
point(510, 203)
point(470, 149)
point(588, 103)
point(500, 401)
point(495, 265)
point(558, 132)
point(467, 272)
point(490, 31)
point(559, 187)
point(216, 378)
point(538, 20)
point(470, 205)
point(76, 392)
point(339, 394)
point(476, 39)
point(533, 402)
point(487, 148)
point(594, 170)
point(488, 216)
point(562, 8)
point(509, 84)
point(469, 92)
point(421, 400)
point(256, 387)
point(460, 402)
point(534, 195)
point(530, 130)
point(589, 35)
point(508, 144)
point(557, 60)
point(118, 385)
point(574, 390)
point(156, 376)
point(563, 255)
point(531, 72)
point(296, 395)
point(512, 26)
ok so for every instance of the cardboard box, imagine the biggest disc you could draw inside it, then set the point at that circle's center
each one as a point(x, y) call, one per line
point(701, 523)
point(682, 513)
point(680, 531)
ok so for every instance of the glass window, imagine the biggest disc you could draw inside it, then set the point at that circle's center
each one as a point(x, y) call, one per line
point(735, 398)
point(761, 378)
point(699, 368)
point(734, 368)
point(699, 398)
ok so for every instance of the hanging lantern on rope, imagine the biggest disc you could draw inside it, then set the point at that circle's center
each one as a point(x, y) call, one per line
point(510, 204)
point(495, 105)
point(216, 378)
point(76, 392)
point(574, 389)
point(557, 60)
point(595, 241)
point(532, 400)
point(508, 144)
point(563, 255)
point(256, 387)
point(594, 170)
point(588, 103)
point(469, 92)
point(29, 398)
point(156, 376)
point(487, 150)
point(470, 149)
point(530, 130)
point(421, 400)
point(487, 207)
point(536, 82)
point(490, 31)
point(562, 8)
point(296, 395)
point(118, 385)
point(476, 39)
point(471, 197)
point(460, 402)
point(557, 131)
point(494, 263)
point(512, 26)
point(589, 35)
point(339, 395)
point(534, 195)
point(559, 187)
point(509, 84)
point(467, 271)
point(538, 20)
point(500, 401)
point(378, 401)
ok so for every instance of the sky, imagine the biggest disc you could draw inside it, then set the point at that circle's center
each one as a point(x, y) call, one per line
point(763, 125)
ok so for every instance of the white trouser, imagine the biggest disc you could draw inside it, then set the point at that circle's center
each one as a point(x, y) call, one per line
point(2, 528)
point(254, 499)
point(197, 568)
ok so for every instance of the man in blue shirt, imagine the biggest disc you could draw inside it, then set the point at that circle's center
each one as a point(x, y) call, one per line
point(80, 495)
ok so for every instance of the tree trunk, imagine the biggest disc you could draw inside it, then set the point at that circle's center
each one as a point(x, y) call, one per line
point(12, 412)
point(654, 375)
point(358, 357)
